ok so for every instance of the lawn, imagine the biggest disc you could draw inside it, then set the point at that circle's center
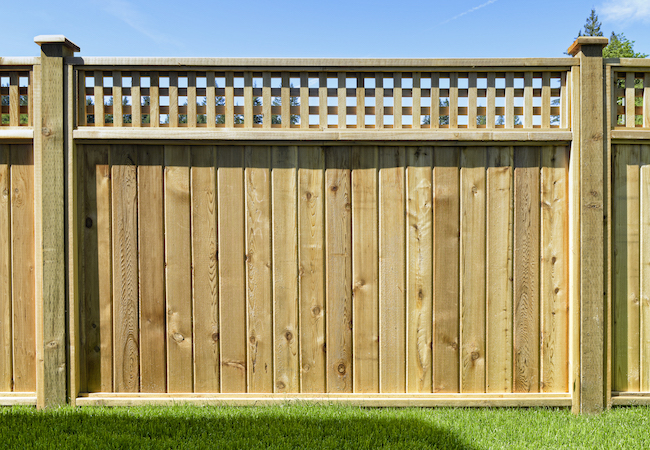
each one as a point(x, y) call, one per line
point(320, 426)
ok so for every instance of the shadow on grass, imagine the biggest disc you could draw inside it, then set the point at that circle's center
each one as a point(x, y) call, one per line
point(183, 427)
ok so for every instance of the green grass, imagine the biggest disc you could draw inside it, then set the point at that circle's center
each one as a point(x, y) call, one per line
point(317, 426)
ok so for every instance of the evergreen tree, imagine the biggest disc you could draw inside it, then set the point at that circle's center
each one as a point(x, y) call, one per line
point(621, 47)
point(592, 25)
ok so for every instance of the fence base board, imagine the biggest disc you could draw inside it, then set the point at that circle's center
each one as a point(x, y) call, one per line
point(374, 400)
point(17, 398)
point(630, 398)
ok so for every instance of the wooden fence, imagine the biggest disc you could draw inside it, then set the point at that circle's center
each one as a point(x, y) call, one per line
point(377, 232)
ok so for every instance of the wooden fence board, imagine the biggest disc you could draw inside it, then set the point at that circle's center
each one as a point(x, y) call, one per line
point(124, 203)
point(472, 268)
point(178, 282)
point(553, 270)
point(338, 232)
point(499, 217)
point(419, 273)
point(446, 242)
point(365, 271)
point(285, 268)
point(392, 273)
point(205, 268)
point(232, 284)
point(311, 241)
point(526, 270)
point(257, 160)
point(22, 265)
point(6, 344)
point(151, 269)
point(645, 265)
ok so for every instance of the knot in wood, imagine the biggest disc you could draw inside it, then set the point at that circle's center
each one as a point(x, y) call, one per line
point(280, 385)
point(215, 337)
point(475, 356)
point(52, 344)
point(306, 368)
point(252, 340)
point(288, 335)
point(315, 311)
point(341, 369)
point(308, 195)
point(46, 131)
point(178, 337)
point(89, 222)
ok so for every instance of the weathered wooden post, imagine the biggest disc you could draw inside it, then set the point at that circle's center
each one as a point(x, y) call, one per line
point(49, 162)
point(589, 132)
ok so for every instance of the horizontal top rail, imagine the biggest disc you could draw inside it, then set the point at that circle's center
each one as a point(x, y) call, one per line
point(13, 61)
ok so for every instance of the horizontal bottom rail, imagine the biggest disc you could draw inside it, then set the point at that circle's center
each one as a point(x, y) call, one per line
point(17, 398)
point(326, 135)
point(630, 398)
point(375, 400)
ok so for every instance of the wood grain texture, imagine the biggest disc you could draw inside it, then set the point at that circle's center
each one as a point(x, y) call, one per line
point(644, 238)
point(499, 254)
point(22, 267)
point(286, 328)
point(257, 161)
point(526, 270)
point(365, 268)
point(97, 287)
point(311, 241)
point(205, 269)
point(124, 202)
point(178, 273)
point(446, 247)
point(554, 312)
point(6, 344)
point(151, 258)
point(338, 257)
point(232, 281)
point(472, 268)
point(392, 270)
point(419, 269)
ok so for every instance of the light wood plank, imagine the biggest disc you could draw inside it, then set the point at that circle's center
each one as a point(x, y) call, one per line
point(232, 281)
point(117, 99)
point(341, 93)
point(490, 111)
point(285, 98)
point(417, 100)
point(554, 376)
point(266, 100)
point(285, 269)
point(510, 100)
point(6, 344)
point(151, 256)
point(435, 100)
point(472, 100)
point(528, 100)
point(230, 100)
point(499, 253)
point(526, 270)
point(630, 105)
point(211, 99)
point(205, 280)
point(397, 100)
point(124, 202)
point(645, 268)
point(446, 295)
point(154, 100)
point(14, 100)
point(379, 100)
point(338, 257)
point(191, 99)
point(365, 268)
point(546, 100)
point(136, 100)
point(392, 273)
point(646, 100)
point(99, 98)
point(322, 100)
point(304, 100)
point(173, 99)
point(258, 268)
point(453, 100)
point(248, 99)
point(472, 268)
point(361, 102)
point(419, 274)
point(311, 241)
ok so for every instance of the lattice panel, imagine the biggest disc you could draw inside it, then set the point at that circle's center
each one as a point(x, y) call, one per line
point(320, 100)
point(631, 106)
point(15, 99)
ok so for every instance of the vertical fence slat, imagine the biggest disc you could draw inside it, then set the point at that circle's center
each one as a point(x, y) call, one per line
point(397, 100)
point(205, 280)
point(546, 100)
point(99, 98)
point(14, 100)
point(125, 270)
point(257, 161)
point(361, 102)
point(490, 109)
point(417, 102)
point(365, 272)
point(645, 268)
point(453, 100)
point(446, 233)
point(528, 100)
point(304, 100)
point(230, 100)
point(285, 108)
point(285, 269)
point(526, 270)
point(211, 99)
point(151, 253)
point(472, 268)
point(472, 100)
point(178, 283)
point(22, 279)
point(646, 100)
point(419, 268)
point(342, 108)
point(6, 345)
point(322, 100)
point(553, 271)
point(117, 98)
point(191, 99)
point(266, 100)
point(338, 231)
point(630, 105)
point(510, 100)
point(392, 273)
point(311, 242)
point(499, 218)
point(248, 99)
point(434, 117)
point(136, 100)
point(173, 99)
point(81, 99)
point(232, 282)
point(154, 100)
point(379, 100)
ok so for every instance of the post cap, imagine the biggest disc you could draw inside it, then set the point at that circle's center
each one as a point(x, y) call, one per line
point(56, 39)
point(587, 40)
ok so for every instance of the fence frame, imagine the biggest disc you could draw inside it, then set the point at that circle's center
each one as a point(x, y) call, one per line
point(587, 124)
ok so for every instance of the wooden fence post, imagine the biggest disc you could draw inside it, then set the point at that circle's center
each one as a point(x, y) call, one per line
point(589, 390)
point(50, 194)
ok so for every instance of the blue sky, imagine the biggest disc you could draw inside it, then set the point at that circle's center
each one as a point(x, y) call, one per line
point(334, 28)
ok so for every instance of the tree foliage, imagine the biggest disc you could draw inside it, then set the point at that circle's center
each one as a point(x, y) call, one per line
point(621, 47)
point(592, 25)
